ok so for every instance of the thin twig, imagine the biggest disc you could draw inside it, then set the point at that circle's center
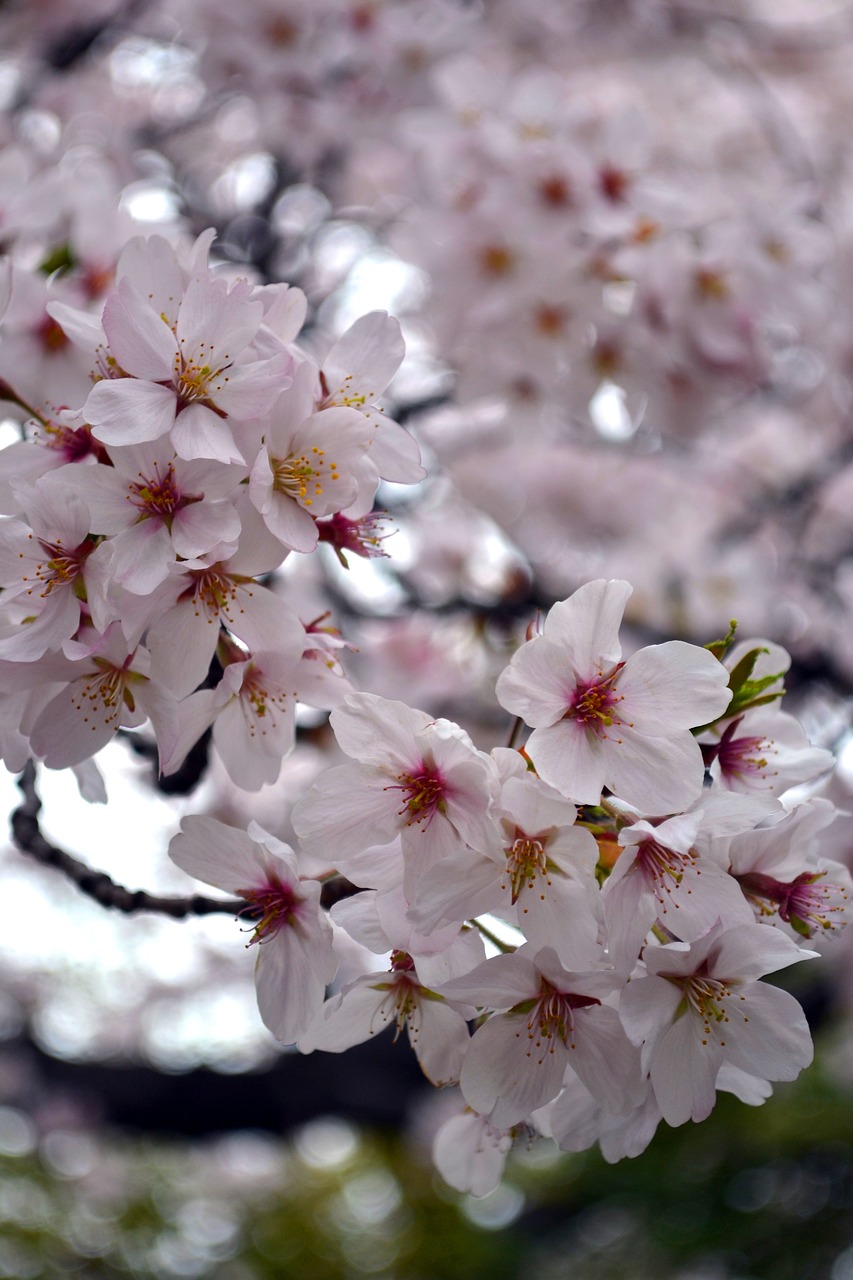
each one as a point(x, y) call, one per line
point(28, 838)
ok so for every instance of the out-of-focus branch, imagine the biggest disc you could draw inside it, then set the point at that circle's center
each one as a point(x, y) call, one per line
point(28, 838)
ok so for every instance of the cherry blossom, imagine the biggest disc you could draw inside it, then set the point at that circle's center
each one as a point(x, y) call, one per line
point(556, 1021)
point(701, 1006)
point(419, 778)
point(295, 959)
point(599, 721)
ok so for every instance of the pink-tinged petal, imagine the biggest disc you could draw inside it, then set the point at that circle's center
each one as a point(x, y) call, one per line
point(364, 360)
point(376, 867)
point(57, 512)
point(630, 911)
point(654, 775)
point(602, 1056)
point(456, 959)
point(218, 854)
point(151, 266)
point(291, 974)
point(195, 716)
point(141, 341)
point(470, 1153)
point(506, 1075)
point(56, 622)
point(378, 731)
point(199, 432)
point(394, 453)
point(182, 643)
point(285, 308)
point(284, 517)
point(684, 1072)
point(587, 625)
point(561, 914)
point(746, 1088)
point(461, 886)
point(439, 1037)
point(142, 557)
point(749, 951)
point(73, 726)
point(249, 391)
point(252, 761)
point(767, 1034)
point(359, 917)
point(215, 322)
point(498, 983)
point(345, 810)
point(198, 527)
point(352, 1016)
point(667, 687)
point(572, 759)
point(424, 845)
point(127, 411)
point(292, 525)
point(264, 621)
point(647, 1005)
point(160, 706)
point(575, 1117)
point(538, 685)
point(106, 493)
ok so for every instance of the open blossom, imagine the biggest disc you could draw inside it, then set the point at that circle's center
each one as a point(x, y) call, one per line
point(436, 1027)
point(310, 464)
point(785, 880)
point(355, 372)
point(538, 872)
point(418, 778)
point(701, 1007)
point(660, 876)
point(764, 749)
point(48, 566)
point(600, 722)
point(555, 1021)
point(155, 507)
point(108, 685)
point(187, 376)
point(295, 959)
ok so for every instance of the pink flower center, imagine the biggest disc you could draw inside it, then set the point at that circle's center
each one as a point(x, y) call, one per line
point(551, 1018)
point(662, 868)
point(158, 497)
point(260, 700)
point(742, 757)
point(526, 862)
point(277, 905)
point(593, 703)
point(61, 566)
point(213, 592)
point(102, 693)
point(300, 477)
point(808, 904)
point(424, 793)
point(706, 998)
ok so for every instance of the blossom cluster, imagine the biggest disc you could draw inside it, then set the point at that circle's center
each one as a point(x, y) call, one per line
point(619, 241)
point(143, 519)
point(631, 871)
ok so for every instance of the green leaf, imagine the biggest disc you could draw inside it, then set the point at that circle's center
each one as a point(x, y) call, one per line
point(719, 648)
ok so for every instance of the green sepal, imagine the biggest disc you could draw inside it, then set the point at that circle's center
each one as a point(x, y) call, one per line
point(720, 648)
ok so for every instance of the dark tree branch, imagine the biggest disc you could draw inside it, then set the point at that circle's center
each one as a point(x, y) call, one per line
point(28, 838)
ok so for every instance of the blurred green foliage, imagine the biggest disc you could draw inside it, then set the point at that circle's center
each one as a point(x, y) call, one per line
point(752, 1194)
